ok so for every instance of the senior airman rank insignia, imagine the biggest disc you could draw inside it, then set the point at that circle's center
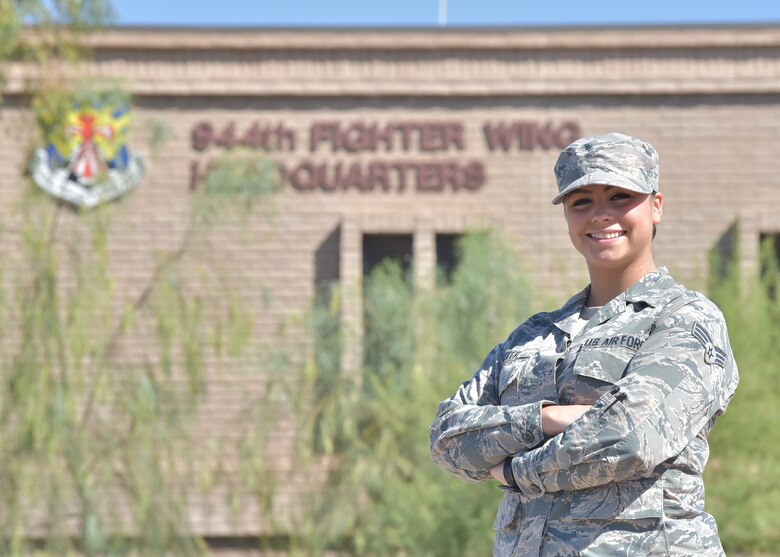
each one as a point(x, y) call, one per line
point(87, 160)
point(712, 354)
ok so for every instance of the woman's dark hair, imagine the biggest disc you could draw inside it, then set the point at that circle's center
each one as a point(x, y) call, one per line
point(652, 195)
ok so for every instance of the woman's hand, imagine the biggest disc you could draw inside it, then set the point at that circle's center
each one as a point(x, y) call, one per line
point(498, 473)
point(554, 421)
point(556, 418)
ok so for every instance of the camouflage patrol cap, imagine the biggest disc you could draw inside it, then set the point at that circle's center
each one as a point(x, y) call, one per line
point(613, 159)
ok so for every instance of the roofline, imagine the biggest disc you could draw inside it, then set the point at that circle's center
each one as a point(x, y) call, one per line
point(427, 39)
point(449, 28)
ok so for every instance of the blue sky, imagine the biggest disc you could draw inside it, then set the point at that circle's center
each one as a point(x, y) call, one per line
point(478, 13)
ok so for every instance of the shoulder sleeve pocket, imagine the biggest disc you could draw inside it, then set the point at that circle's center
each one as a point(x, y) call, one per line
point(513, 368)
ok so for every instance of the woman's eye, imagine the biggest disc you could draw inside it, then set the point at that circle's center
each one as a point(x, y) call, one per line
point(620, 196)
point(581, 201)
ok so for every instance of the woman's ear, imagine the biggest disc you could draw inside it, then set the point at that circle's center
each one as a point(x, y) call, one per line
point(657, 207)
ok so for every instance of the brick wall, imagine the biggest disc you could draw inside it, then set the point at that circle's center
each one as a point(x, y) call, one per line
point(707, 98)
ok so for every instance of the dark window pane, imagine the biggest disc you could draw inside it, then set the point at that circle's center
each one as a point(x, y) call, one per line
point(377, 247)
point(327, 261)
point(773, 242)
point(446, 253)
point(770, 262)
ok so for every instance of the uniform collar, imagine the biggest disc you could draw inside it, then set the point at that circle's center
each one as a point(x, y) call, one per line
point(565, 317)
point(652, 289)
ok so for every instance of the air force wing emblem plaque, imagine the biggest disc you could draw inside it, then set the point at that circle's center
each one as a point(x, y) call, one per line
point(87, 161)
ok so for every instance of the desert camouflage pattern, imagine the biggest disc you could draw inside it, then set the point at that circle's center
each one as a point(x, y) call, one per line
point(613, 159)
point(626, 478)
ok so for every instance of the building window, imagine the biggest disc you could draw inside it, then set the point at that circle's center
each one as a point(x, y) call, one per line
point(378, 247)
point(447, 253)
point(387, 303)
point(723, 258)
point(327, 262)
point(769, 252)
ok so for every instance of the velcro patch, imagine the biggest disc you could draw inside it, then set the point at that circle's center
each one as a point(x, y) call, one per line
point(516, 355)
point(712, 354)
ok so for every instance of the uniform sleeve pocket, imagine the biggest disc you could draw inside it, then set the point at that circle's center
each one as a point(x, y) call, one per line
point(628, 500)
point(603, 363)
point(508, 512)
point(510, 373)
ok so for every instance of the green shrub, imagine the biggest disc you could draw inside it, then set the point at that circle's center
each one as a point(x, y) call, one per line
point(385, 496)
point(743, 476)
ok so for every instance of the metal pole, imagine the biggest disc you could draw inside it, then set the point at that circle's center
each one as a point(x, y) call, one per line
point(442, 13)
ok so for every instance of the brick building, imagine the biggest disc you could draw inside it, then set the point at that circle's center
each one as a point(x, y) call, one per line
point(395, 141)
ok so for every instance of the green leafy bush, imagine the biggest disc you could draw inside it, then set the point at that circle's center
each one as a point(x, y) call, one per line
point(92, 439)
point(743, 476)
point(384, 495)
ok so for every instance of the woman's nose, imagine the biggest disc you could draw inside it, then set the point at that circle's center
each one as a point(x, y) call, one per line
point(602, 212)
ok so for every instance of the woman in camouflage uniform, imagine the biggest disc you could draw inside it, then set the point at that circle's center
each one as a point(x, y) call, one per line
point(594, 417)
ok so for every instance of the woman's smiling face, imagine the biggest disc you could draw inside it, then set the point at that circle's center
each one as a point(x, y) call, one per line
point(612, 227)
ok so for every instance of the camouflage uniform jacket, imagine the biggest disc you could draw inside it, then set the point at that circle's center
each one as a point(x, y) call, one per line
point(626, 478)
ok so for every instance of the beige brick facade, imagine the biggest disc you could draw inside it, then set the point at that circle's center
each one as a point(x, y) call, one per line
point(410, 117)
